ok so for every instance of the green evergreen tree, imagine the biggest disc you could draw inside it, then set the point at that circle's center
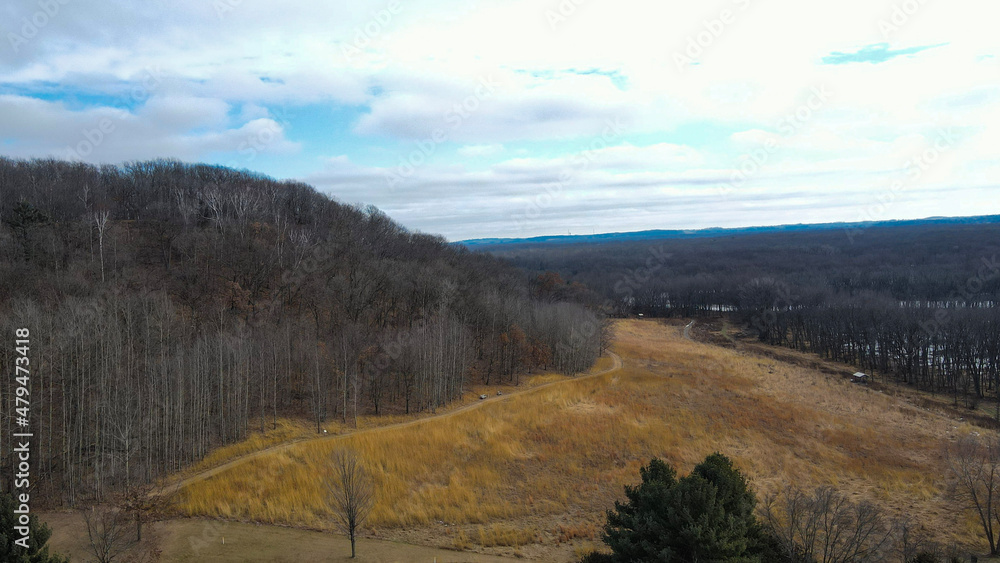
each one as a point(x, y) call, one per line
point(39, 534)
point(23, 218)
point(635, 529)
point(706, 516)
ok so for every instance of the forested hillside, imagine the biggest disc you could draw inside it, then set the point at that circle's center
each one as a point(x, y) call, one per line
point(917, 302)
point(173, 308)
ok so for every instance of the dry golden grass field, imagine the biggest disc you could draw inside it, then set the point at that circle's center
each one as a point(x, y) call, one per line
point(531, 476)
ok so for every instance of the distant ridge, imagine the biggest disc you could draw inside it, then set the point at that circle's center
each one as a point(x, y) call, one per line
point(723, 232)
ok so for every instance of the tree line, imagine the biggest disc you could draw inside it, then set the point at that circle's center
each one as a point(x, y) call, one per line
point(915, 303)
point(948, 349)
point(175, 308)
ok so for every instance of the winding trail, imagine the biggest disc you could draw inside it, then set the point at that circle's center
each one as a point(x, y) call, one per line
point(687, 330)
point(171, 488)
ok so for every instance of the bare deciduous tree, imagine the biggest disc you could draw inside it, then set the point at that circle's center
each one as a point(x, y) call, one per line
point(101, 223)
point(351, 493)
point(140, 502)
point(827, 527)
point(110, 534)
point(975, 466)
point(276, 301)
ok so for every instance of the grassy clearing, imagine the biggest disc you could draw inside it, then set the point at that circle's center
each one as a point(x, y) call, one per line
point(286, 431)
point(195, 539)
point(569, 449)
point(283, 431)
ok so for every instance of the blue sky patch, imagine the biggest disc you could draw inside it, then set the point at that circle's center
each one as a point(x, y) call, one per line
point(874, 54)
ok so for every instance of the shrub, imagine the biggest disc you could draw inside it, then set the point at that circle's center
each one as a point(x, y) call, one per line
point(598, 557)
point(39, 533)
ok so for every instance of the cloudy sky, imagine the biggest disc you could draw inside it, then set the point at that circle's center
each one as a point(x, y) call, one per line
point(484, 118)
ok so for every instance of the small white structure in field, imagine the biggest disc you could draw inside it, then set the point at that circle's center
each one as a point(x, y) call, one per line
point(481, 397)
point(859, 378)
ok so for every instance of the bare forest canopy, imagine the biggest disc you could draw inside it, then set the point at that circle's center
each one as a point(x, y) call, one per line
point(173, 308)
point(916, 301)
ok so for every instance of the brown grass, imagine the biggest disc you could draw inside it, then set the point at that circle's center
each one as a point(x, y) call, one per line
point(273, 434)
point(504, 535)
point(285, 431)
point(570, 448)
point(195, 539)
point(573, 532)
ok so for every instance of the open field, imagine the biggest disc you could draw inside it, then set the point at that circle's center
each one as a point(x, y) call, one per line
point(285, 432)
point(195, 539)
point(290, 433)
point(532, 475)
point(723, 333)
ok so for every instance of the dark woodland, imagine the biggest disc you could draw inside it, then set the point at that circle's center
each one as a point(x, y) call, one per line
point(174, 308)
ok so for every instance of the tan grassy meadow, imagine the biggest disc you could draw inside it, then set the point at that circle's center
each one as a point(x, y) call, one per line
point(545, 464)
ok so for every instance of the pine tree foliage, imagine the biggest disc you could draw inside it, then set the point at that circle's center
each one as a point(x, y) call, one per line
point(38, 535)
point(705, 516)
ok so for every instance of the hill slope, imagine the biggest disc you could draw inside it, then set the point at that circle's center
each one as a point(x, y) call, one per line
point(537, 471)
point(173, 307)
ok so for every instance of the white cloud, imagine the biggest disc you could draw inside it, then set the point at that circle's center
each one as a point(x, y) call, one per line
point(183, 128)
point(476, 151)
point(501, 78)
point(529, 196)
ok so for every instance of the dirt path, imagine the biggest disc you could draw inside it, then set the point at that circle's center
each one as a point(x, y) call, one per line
point(687, 330)
point(172, 488)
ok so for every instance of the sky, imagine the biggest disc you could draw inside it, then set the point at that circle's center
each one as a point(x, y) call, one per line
point(517, 118)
